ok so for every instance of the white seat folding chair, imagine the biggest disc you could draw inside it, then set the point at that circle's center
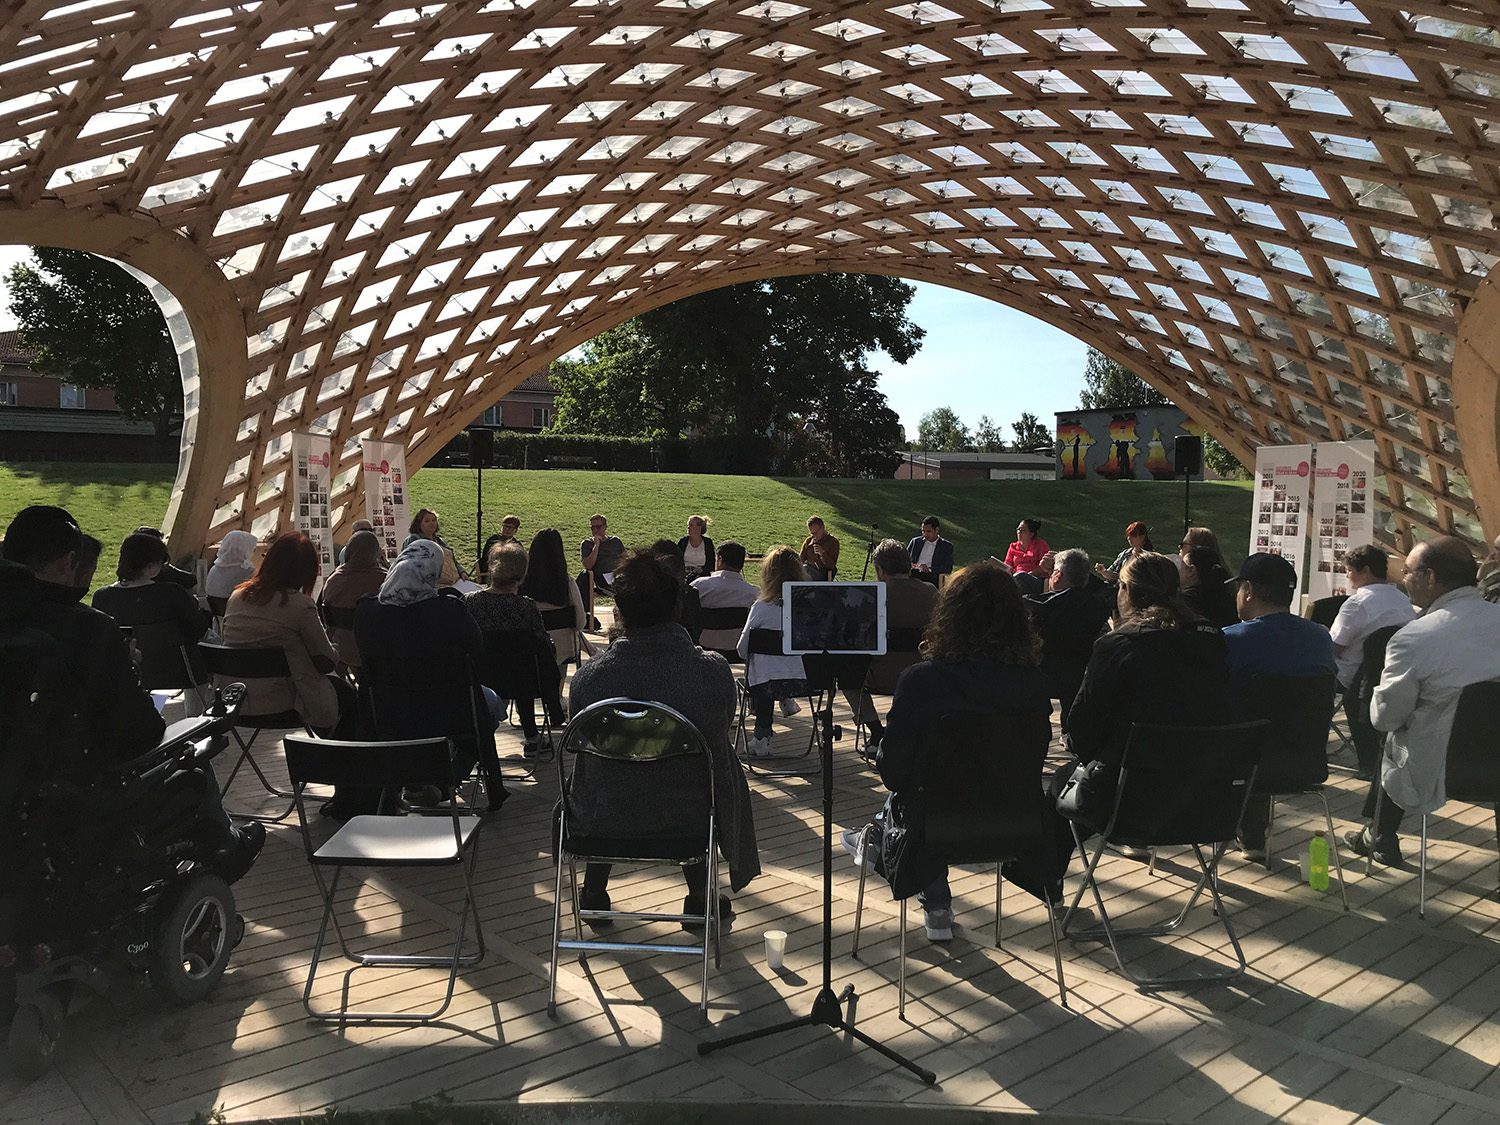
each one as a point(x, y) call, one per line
point(443, 838)
point(633, 733)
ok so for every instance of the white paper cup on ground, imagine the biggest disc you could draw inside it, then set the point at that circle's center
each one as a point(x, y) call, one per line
point(1302, 868)
point(775, 948)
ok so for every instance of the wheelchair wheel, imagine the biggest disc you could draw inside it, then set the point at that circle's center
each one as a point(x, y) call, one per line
point(194, 940)
point(33, 1040)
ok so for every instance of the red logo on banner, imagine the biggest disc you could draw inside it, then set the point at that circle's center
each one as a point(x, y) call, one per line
point(1343, 472)
point(1303, 469)
point(385, 467)
point(323, 460)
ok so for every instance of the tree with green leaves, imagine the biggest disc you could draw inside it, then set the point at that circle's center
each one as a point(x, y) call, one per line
point(942, 430)
point(1031, 434)
point(94, 325)
point(1108, 384)
point(987, 436)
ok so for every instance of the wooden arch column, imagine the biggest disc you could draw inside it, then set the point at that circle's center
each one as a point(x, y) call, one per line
point(1476, 400)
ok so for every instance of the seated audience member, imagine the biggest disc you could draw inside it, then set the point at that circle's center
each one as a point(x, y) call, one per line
point(771, 677)
point(1270, 640)
point(696, 548)
point(425, 525)
point(114, 719)
point(601, 553)
point(1205, 538)
point(820, 552)
point(550, 586)
point(908, 605)
point(168, 573)
point(690, 612)
point(275, 609)
point(136, 599)
point(421, 651)
point(1160, 664)
point(233, 565)
point(931, 554)
point(1025, 554)
point(354, 529)
point(1428, 663)
point(1374, 603)
point(1067, 619)
point(498, 609)
point(653, 660)
point(1206, 586)
point(725, 587)
point(359, 574)
point(1489, 573)
point(979, 654)
point(1032, 583)
point(509, 527)
point(1138, 542)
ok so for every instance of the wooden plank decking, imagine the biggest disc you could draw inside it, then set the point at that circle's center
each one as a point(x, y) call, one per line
point(1372, 1015)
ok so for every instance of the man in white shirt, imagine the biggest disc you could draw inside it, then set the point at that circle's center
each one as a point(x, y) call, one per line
point(1374, 603)
point(931, 554)
point(1456, 642)
point(724, 588)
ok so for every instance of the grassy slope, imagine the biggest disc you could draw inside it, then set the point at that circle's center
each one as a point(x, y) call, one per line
point(979, 516)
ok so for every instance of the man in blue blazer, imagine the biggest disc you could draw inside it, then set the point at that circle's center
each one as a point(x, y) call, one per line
point(931, 554)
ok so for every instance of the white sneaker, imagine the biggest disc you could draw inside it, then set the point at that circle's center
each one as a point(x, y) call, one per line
point(760, 747)
point(850, 840)
point(790, 707)
point(939, 924)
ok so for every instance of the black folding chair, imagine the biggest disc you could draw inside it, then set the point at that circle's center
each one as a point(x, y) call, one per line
point(562, 618)
point(725, 619)
point(634, 733)
point(1472, 769)
point(979, 784)
point(1368, 742)
point(443, 838)
point(217, 606)
point(337, 616)
point(254, 664)
point(1294, 759)
point(1325, 612)
point(521, 667)
point(1177, 786)
point(160, 646)
point(768, 642)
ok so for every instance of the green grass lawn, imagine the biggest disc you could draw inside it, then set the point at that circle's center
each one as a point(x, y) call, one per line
point(979, 516)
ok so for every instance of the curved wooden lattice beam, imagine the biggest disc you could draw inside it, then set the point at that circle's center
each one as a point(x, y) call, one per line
point(1274, 210)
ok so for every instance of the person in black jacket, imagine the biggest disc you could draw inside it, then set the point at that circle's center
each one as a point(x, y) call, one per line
point(1161, 664)
point(1206, 588)
point(980, 654)
point(1068, 619)
point(138, 599)
point(696, 542)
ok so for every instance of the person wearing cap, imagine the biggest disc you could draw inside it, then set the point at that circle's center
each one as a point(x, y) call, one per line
point(1270, 640)
point(725, 587)
point(1455, 643)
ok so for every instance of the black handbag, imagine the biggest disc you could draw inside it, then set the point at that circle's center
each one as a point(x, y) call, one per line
point(903, 847)
point(1088, 795)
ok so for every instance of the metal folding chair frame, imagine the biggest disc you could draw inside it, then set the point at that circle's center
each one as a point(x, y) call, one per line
point(267, 659)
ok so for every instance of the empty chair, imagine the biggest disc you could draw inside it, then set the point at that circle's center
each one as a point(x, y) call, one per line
point(1177, 786)
point(979, 777)
point(386, 841)
point(641, 735)
point(253, 664)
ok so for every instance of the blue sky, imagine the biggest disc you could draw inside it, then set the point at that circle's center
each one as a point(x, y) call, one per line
point(979, 357)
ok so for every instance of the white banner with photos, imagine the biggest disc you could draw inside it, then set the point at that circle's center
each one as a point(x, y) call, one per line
point(386, 505)
point(312, 461)
point(1283, 482)
point(1343, 512)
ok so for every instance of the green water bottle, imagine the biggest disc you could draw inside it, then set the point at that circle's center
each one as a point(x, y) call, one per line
point(1317, 862)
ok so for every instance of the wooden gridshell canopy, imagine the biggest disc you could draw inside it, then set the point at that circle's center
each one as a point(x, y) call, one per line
point(373, 219)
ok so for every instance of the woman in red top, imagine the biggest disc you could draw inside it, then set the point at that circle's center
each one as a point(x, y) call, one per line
point(1025, 554)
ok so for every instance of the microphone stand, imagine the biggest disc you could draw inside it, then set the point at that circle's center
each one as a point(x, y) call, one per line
point(869, 550)
point(828, 1007)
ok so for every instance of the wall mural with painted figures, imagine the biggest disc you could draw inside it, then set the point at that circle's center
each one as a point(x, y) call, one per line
point(1133, 443)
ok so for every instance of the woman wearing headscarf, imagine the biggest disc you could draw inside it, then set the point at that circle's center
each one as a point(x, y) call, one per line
point(233, 565)
point(424, 525)
point(360, 573)
point(420, 650)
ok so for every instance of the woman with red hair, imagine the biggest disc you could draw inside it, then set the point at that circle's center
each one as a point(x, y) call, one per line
point(1138, 543)
point(274, 609)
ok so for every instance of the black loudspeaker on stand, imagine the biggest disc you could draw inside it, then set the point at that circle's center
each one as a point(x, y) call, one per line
point(1187, 456)
point(826, 672)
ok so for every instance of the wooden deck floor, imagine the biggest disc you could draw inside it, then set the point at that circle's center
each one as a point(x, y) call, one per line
point(1372, 1015)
